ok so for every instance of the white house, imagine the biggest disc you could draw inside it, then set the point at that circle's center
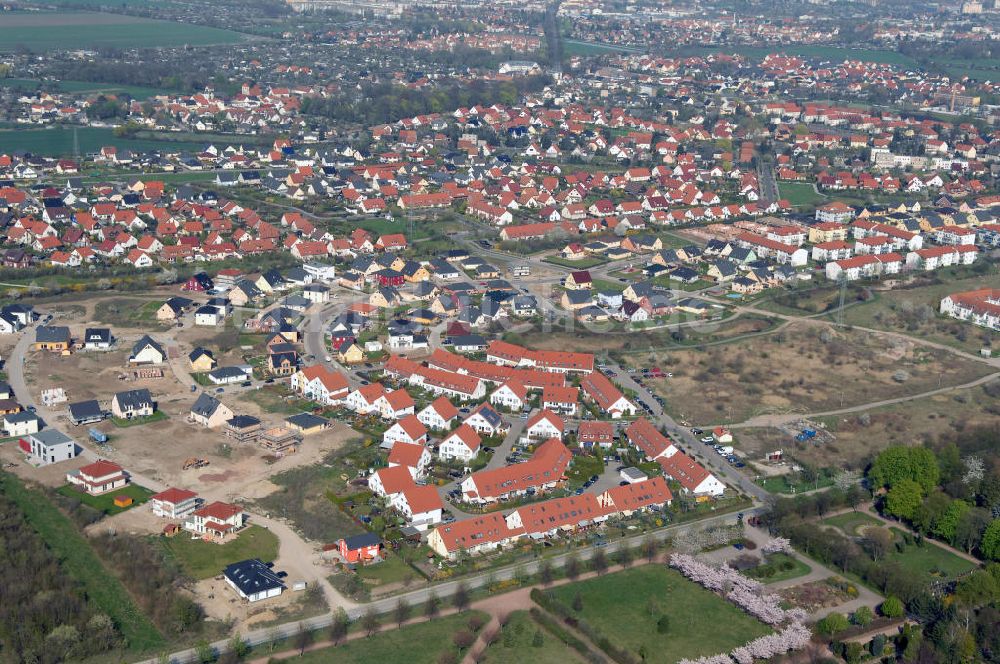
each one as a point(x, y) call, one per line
point(253, 580)
point(20, 424)
point(439, 415)
point(99, 477)
point(174, 503)
point(462, 444)
point(320, 384)
point(415, 458)
point(407, 430)
point(544, 425)
point(49, 446)
point(421, 506)
point(512, 395)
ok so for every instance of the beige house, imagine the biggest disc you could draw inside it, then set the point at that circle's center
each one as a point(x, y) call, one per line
point(209, 412)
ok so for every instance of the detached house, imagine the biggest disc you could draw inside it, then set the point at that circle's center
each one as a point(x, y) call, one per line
point(132, 404)
point(99, 477)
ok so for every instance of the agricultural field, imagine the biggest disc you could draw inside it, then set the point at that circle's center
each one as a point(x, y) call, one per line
point(60, 30)
point(420, 643)
point(802, 369)
point(56, 141)
point(860, 435)
point(519, 642)
point(82, 87)
point(800, 193)
point(827, 53)
point(626, 607)
point(201, 560)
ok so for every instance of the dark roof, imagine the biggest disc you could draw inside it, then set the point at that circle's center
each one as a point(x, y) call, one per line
point(146, 340)
point(134, 398)
point(51, 334)
point(355, 542)
point(252, 576)
point(243, 422)
point(84, 410)
point(205, 405)
point(306, 420)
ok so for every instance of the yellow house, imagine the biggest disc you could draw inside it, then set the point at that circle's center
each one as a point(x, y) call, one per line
point(579, 280)
point(384, 298)
point(417, 275)
point(350, 353)
point(829, 231)
point(201, 360)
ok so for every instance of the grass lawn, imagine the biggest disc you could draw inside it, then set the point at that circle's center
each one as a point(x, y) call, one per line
point(799, 193)
point(792, 485)
point(583, 468)
point(157, 416)
point(71, 548)
point(606, 285)
point(202, 560)
point(618, 605)
point(65, 30)
point(514, 645)
point(931, 562)
point(422, 643)
point(391, 570)
point(582, 264)
point(779, 567)
point(852, 522)
point(105, 503)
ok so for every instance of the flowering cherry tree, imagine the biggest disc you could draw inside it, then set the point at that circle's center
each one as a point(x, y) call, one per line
point(711, 659)
point(777, 545)
point(749, 595)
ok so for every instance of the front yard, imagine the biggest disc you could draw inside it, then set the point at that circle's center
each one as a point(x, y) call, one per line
point(201, 560)
point(105, 503)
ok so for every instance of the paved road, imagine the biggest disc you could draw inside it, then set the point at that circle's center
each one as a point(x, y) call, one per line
point(712, 461)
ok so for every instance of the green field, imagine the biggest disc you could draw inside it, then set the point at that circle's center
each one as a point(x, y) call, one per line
point(422, 643)
point(929, 560)
point(514, 645)
point(618, 605)
point(82, 87)
point(582, 264)
point(43, 31)
point(80, 560)
point(577, 47)
point(831, 53)
point(852, 522)
point(58, 141)
point(105, 503)
point(202, 560)
point(799, 193)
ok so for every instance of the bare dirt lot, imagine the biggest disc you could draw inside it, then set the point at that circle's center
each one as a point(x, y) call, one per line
point(860, 435)
point(157, 450)
point(801, 369)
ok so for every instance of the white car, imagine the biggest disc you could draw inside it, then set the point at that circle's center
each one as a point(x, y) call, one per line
point(707, 439)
